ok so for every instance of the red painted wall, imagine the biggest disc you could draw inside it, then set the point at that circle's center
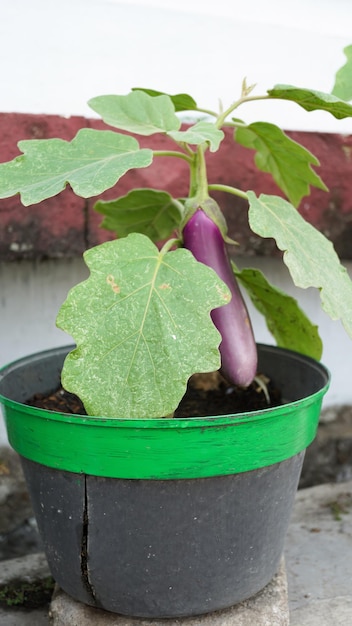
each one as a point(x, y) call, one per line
point(64, 226)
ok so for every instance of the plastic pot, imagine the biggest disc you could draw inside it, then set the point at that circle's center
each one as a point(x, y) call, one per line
point(163, 517)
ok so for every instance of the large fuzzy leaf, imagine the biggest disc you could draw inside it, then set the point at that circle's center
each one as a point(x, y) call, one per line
point(286, 321)
point(199, 133)
point(137, 112)
point(91, 163)
point(148, 211)
point(309, 256)
point(287, 161)
point(343, 80)
point(312, 100)
point(142, 326)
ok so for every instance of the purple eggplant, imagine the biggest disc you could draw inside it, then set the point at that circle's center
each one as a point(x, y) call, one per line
point(237, 349)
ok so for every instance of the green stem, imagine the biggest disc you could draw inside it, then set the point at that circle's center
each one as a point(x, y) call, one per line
point(192, 179)
point(173, 153)
point(207, 112)
point(233, 190)
point(198, 182)
point(221, 118)
point(168, 245)
point(201, 173)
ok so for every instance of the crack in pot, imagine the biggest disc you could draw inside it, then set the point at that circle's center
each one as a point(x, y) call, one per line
point(84, 550)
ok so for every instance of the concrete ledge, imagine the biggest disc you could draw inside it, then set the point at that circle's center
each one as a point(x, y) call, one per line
point(14, 499)
point(317, 552)
point(267, 608)
point(30, 568)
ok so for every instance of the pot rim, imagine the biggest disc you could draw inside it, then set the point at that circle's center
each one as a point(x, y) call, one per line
point(164, 422)
point(165, 447)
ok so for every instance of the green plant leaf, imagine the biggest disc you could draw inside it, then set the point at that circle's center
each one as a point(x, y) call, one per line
point(91, 163)
point(287, 161)
point(312, 100)
point(343, 80)
point(137, 112)
point(148, 211)
point(140, 321)
point(286, 321)
point(199, 133)
point(309, 256)
point(181, 101)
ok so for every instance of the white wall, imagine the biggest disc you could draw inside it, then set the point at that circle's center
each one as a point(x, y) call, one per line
point(55, 55)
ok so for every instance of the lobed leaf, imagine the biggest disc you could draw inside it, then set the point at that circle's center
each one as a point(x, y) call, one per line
point(91, 163)
point(284, 318)
point(148, 211)
point(287, 161)
point(312, 100)
point(199, 133)
point(137, 112)
point(181, 101)
point(141, 320)
point(343, 79)
point(309, 256)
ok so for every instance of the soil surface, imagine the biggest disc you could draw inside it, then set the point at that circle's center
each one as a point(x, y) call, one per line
point(207, 394)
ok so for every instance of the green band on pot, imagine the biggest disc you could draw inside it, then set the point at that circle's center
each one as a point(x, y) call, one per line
point(164, 448)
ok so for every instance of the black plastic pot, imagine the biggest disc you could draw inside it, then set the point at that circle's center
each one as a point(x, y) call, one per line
point(199, 530)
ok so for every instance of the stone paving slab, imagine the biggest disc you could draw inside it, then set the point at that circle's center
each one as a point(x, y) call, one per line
point(267, 608)
point(17, 575)
point(331, 612)
point(37, 617)
point(318, 553)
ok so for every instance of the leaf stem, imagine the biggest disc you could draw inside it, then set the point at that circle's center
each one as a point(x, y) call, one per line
point(170, 243)
point(228, 189)
point(221, 118)
point(206, 111)
point(173, 153)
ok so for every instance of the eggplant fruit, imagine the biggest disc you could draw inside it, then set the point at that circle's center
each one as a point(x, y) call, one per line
point(237, 348)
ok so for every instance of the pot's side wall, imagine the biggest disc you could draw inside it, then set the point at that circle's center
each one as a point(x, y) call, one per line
point(64, 226)
point(164, 548)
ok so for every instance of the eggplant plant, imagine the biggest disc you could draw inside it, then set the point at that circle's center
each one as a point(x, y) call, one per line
point(152, 314)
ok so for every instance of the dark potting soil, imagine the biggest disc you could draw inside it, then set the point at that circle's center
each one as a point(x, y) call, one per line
point(206, 395)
